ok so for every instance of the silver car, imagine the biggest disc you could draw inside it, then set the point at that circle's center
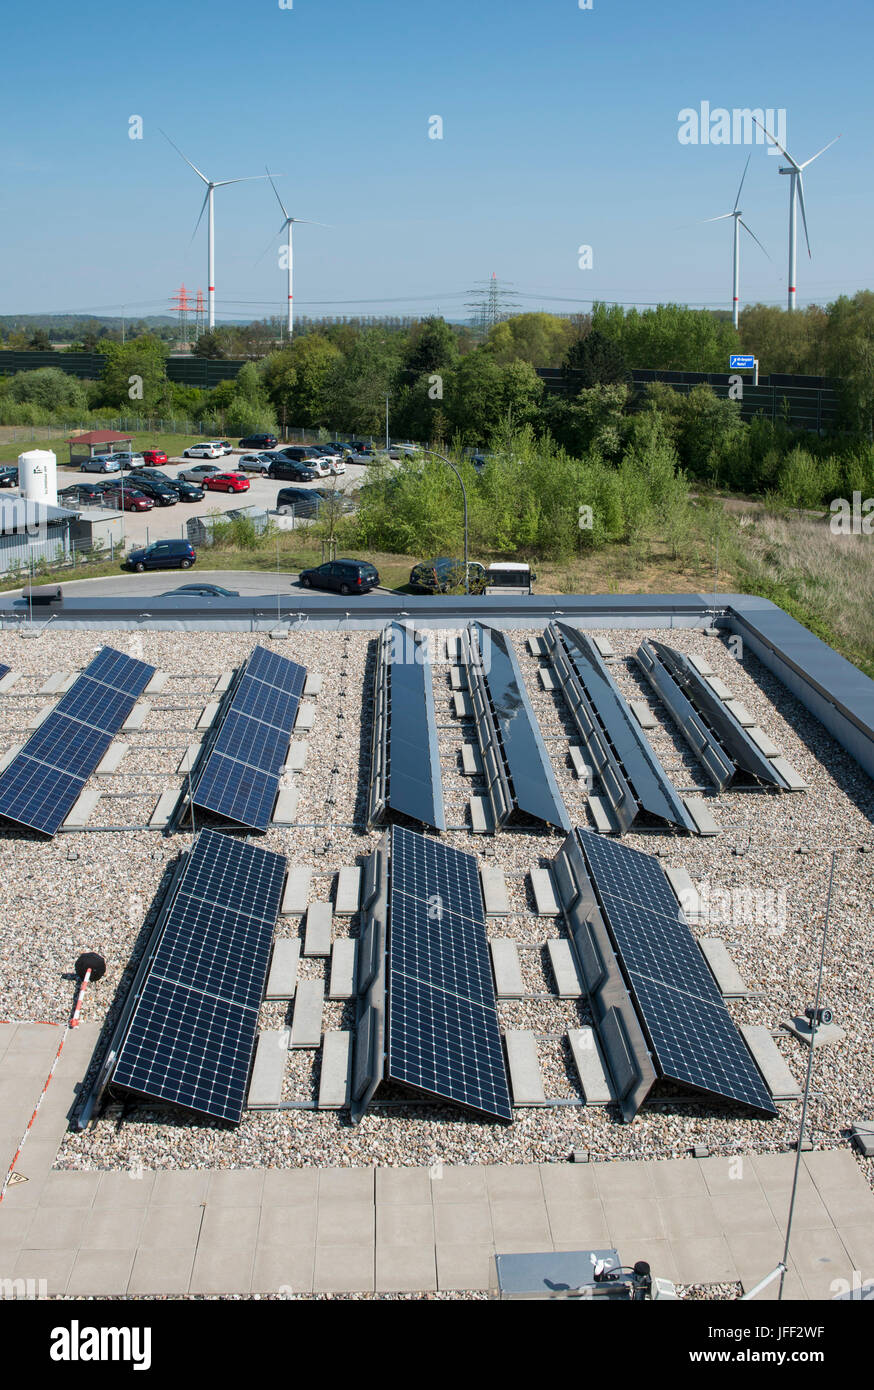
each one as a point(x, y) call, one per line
point(198, 472)
point(252, 463)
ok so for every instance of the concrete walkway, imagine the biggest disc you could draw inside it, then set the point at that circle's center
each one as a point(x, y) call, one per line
point(347, 1230)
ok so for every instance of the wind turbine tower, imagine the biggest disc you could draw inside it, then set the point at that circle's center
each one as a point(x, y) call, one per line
point(796, 195)
point(737, 216)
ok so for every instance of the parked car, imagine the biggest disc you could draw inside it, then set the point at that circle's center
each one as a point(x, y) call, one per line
point(198, 472)
point(128, 460)
point(8, 477)
point(144, 471)
point(258, 441)
point(306, 454)
point(161, 493)
point(442, 574)
point(336, 447)
point(224, 446)
point(295, 472)
point(201, 591)
point(298, 501)
point(227, 482)
point(162, 555)
point(202, 451)
point(253, 463)
point(187, 492)
point(154, 456)
point(361, 453)
point(335, 461)
point(79, 493)
point(399, 451)
point(129, 499)
point(344, 576)
point(100, 463)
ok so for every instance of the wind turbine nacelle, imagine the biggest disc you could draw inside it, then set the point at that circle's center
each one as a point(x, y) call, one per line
point(787, 171)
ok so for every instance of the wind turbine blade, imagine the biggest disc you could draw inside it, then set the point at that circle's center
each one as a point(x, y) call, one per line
point(185, 157)
point(200, 218)
point(753, 235)
point(276, 191)
point(819, 152)
point(777, 143)
point(270, 243)
point(803, 216)
point(743, 176)
point(250, 178)
point(306, 222)
point(721, 218)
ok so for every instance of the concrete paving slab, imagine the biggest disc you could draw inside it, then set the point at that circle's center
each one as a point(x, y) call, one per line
point(320, 920)
point(545, 900)
point(138, 716)
point(268, 1072)
point(729, 980)
point(295, 760)
point(223, 682)
point(163, 808)
point(347, 1184)
point(57, 1228)
point(285, 810)
point(335, 1078)
point(282, 980)
point(507, 967)
point(284, 1187)
point(288, 1270)
point(189, 758)
point(343, 1269)
point(53, 1266)
point(175, 1227)
point(457, 1222)
point(526, 1082)
point(83, 809)
point(744, 1212)
point(564, 968)
point(344, 968)
point(589, 1062)
point(157, 683)
point(306, 717)
point(306, 1023)
point(703, 1260)
point(223, 1268)
point(405, 1223)
point(112, 758)
point(631, 1179)
point(631, 1217)
point(405, 1269)
point(471, 761)
point(345, 1223)
point(810, 1212)
point(568, 1182)
point(347, 897)
point(684, 1215)
point(121, 1190)
point(180, 1187)
point(297, 890)
point(158, 1272)
point(770, 1061)
point(235, 1187)
point(208, 714)
point(513, 1182)
point(112, 1228)
point(226, 1228)
point(64, 1188)
point(722, 1174)
point(515, 1221)
point(403, 1186)
point(578, 1224)
point(464, 1266)
point(494, 885)
point(282, 1226)
point(40, 717)
point(841, 1184)
point(313, 683)
point(457, 1183)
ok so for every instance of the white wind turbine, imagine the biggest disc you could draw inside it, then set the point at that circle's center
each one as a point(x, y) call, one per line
point(211, 186)
point(796, 187)
point(287, 225)
point(737, 215)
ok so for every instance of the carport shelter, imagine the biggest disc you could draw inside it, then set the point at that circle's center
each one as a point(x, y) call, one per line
point(84, 446)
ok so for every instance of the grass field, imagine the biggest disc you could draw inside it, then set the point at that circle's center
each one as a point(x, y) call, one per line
point(170, 443)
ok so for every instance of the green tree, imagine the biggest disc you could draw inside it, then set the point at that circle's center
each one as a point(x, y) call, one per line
point(432, 347)
point(135, 375)
point(596, 360)
point(539, 339)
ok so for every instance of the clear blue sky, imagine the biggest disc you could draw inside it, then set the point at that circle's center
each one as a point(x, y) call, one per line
point(560, 128)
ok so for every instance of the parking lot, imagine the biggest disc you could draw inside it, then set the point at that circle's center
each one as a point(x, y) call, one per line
point(166, 523)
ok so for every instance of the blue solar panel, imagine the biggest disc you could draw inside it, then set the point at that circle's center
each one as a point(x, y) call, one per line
point(41, 784)
point(690, 1031)
point(240, 776)
point(192, 1032)
point(4, 670)
point(443, 1032)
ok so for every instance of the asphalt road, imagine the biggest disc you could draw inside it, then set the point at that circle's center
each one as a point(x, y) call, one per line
point(153, 584)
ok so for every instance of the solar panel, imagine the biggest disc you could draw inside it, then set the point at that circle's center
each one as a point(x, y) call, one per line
point(651, 786)
point(535, 789)
point(192, 1032)
point(4, 670)
point(42, 783)
point(239, 778)
point(414, 784)
point(443, 1032)
point(690, 1031)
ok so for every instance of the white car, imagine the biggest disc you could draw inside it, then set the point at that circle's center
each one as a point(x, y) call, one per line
point(222, 445)
point(203, 451)
point(336, 463)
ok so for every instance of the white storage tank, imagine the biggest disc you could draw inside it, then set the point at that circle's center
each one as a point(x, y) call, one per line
point(38, 476)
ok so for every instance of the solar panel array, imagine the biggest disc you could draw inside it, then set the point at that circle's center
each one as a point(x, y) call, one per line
point(239, 779)
point(535, 789)
point(192, 1032)
point(443, 1032)
point(692, 1036)
point(649, 782)
point(42, 783)
point(4, 670)
point(414, 784)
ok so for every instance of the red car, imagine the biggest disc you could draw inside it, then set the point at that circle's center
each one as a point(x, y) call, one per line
point(226, 482)
point(154, 456)
point(130, 498)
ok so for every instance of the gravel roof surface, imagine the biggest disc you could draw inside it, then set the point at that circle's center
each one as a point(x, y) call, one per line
point(95, 890)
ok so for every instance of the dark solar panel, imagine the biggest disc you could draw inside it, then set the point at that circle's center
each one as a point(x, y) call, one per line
point(692, 1036)
point(415, 787)
point(240, 777)
point(192, 1031)
point(40, 786)
point(443, 1032)
point(4, 670)
point(535, 788)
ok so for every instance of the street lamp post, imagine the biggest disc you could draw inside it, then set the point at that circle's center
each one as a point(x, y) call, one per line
point(451, 465)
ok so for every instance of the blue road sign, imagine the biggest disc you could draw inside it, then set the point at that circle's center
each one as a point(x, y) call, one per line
point(738, 360)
